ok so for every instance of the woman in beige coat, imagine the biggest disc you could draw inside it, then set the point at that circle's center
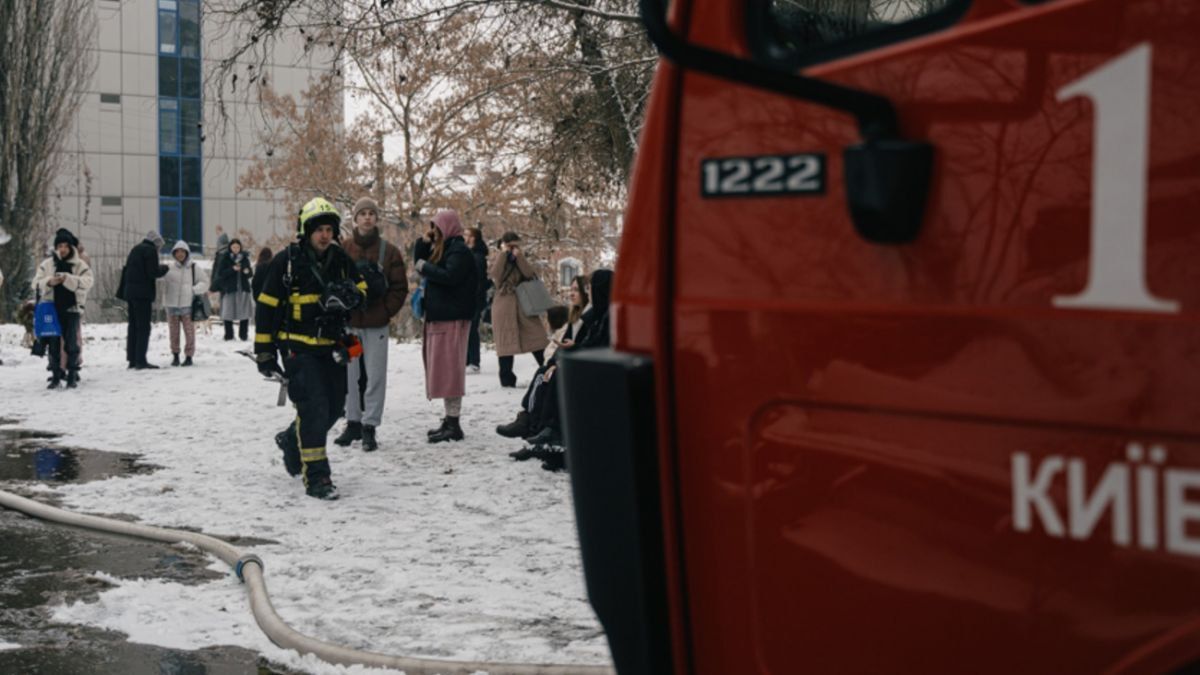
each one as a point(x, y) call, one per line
point(513, 332)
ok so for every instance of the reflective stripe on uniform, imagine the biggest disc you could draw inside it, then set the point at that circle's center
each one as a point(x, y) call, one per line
point(362, 286)
point(268, 300)
point(312, 454)
point(297, 300)
point(306, 339)
point(262, 338)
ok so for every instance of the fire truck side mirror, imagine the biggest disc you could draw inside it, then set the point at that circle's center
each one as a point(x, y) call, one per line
point(887, 177)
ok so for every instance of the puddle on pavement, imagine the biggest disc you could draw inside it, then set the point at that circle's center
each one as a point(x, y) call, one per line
point(33, 455)
point(43, 565)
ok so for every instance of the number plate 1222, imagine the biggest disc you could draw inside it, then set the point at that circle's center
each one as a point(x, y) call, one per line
point(760, 176)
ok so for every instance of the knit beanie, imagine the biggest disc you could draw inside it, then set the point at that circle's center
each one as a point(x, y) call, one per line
point(155, 237)
point(365, 203)
point(64, 236)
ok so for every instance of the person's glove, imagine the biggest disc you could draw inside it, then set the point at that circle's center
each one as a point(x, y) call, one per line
point(420, 263)
point(268, 364)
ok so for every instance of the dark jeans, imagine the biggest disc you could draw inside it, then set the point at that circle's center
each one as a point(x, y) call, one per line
point(317, 387)
point(69, 342)
point(137, 335)
point(473, 340)
point(507, 377)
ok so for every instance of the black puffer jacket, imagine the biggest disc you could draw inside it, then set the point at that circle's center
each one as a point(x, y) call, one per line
point(452, 281)
point(289, 316)
point(142, 268)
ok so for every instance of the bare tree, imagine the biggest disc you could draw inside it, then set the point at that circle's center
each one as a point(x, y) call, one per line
point(45, 67)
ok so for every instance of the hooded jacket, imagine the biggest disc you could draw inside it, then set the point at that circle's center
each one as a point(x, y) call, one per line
point(183, 280)
point(78, 278)
point(450, 293)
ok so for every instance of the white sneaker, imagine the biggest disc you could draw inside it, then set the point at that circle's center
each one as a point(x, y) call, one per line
point(472, 370)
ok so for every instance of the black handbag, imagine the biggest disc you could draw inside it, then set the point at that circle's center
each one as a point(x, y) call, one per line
point(201, 310)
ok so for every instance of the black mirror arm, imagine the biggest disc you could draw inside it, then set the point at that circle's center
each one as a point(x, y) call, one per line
point(875, 115)
point(887, 177)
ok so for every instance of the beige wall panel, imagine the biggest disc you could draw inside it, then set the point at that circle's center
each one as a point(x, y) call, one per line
point(139, 74)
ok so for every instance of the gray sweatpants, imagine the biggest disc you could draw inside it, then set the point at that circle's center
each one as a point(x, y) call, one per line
point(375, 361)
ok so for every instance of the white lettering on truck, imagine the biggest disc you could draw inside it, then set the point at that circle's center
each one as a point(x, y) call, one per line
point(1129, 492)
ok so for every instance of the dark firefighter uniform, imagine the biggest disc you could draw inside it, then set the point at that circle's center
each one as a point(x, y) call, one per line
point(295, 317)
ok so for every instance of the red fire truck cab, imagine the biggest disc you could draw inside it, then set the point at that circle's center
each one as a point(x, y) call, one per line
point(906, 364)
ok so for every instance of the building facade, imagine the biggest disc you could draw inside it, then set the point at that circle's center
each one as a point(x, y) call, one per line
point(150, 148)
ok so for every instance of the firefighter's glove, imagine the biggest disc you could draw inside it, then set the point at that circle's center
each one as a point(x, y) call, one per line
point(268, 364)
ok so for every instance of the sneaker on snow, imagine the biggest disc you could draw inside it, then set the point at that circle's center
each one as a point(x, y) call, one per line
point(472, 370)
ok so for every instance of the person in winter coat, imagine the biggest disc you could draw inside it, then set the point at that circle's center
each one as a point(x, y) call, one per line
point(67, 278)
point(446, 263)
point(479, 249)
point(513, 332)
point(526, 422)
point(184, 281)
point(142, 269)
point(387, 287)
point(260, 271)
point(233, 273)
point(302, 312)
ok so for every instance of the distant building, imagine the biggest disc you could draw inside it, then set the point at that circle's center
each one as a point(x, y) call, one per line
point(148, 150)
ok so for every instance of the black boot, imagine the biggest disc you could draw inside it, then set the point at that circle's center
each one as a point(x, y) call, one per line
point(368, 439)
point(441, 427)
point(453, 432)
point(555, 461)
point(352, 432)
point(322, 489)
point(187, 361)
point(287, 442)
point(175, 359)
point(244, 329)
point(527, 452)
point(72, 379)
point(228, 330)
point(55, 380)
point(547, 436)
point(516, 428)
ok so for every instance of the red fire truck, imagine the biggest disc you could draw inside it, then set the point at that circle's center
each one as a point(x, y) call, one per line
point(905, 374)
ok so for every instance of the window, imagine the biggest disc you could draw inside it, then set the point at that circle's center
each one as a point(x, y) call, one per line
point(168, 176)
point(189, 123)
point(190, 178)
point(189, 227)
point(110, 98)
point(568, 269)
point(110, 201)
point(166, 32)
point(168, 126)
point(168, 76)
point(189, 29)
point(168, 222)
point(798, 32)
point(189, 78)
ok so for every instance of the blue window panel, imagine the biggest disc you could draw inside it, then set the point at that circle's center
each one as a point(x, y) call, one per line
point(189, 29)
point(190, 178)
point(167, 40)
point(168, 222)
point(168, 126)
point(190, 220)
point(189, 122)
point(167, 4)
point(168, 76)
point(168, 176)
point(189, 78)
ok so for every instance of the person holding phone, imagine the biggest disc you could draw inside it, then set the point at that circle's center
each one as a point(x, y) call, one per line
point(66, 277)
point(513, 332)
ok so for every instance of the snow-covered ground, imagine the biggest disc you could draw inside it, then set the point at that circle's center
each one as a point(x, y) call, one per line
point(450, 550)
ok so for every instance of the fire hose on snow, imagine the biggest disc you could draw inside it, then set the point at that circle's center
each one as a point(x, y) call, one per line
point(249, 568)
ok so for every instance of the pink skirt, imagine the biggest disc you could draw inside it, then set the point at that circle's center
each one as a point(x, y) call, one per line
point(445, 352)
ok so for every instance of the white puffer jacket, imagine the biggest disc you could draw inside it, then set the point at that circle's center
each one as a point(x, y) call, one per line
point(183, 280)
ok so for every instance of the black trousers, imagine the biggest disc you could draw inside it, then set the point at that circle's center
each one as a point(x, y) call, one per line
point(473, 340)
point(317, 387)
point(243, 329)
point(69, 343)
point(507, 377)
point(137, 335)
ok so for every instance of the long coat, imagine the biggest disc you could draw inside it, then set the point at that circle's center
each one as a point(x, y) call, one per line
point(142, 270)
point(514, 332)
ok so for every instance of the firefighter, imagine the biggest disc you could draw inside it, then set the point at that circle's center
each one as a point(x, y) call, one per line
point(303, 311)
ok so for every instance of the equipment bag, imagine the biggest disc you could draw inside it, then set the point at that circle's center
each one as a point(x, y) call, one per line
point(201, 307)
point(533, 297)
